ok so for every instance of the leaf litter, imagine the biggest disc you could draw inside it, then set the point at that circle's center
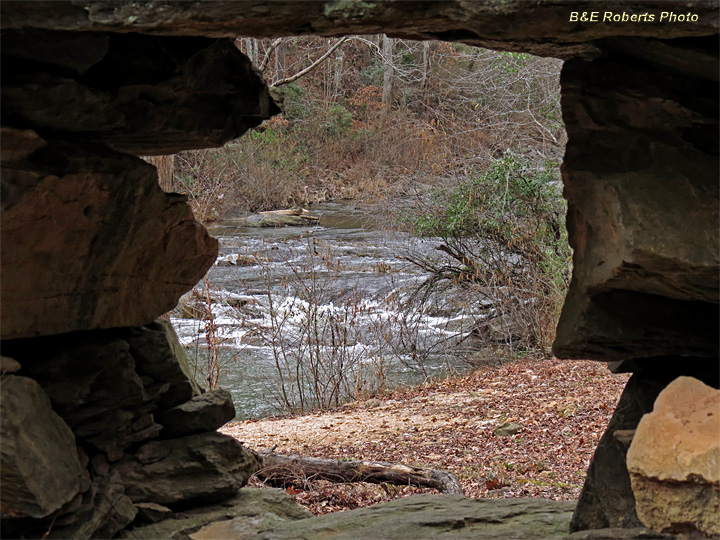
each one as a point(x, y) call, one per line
point(563, 407)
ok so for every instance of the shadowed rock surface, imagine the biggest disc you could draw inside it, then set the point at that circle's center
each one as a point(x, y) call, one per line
point(539, 28)
point(40, 467)
point(143, 95)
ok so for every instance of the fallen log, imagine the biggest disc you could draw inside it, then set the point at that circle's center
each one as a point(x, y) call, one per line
point(290, 212)
point(279, 469)
point(282, 218)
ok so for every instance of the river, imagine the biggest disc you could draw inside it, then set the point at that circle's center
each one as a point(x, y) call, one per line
point(333, 296)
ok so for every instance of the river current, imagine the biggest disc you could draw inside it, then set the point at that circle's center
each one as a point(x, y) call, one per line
point(340, 292)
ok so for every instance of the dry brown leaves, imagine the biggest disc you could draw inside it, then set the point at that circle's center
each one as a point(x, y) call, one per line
point(563, 406)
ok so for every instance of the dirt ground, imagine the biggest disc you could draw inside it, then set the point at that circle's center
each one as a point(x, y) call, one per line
point(563, 408)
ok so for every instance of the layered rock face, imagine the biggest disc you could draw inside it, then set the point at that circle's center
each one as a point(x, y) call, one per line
point(641, 179)
point(138, 94)
point(82, 452)
point(121, 255)
point(102, 429)
point(102, 422)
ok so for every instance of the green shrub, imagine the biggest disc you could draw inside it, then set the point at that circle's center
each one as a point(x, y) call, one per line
point(505, 233)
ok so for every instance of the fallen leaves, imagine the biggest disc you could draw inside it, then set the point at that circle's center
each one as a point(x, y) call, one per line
point(563, 406)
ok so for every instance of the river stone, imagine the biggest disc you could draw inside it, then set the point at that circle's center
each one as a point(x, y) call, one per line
point(89, 240)
point(435, 516)
point(197, 469)
point(249, 511)
point(202, 413)
point(272, 219)
point(507, 429)
point(40, 469)
point(674, 461)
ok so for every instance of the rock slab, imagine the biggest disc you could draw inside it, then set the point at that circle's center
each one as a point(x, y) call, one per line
point(90, 241)
point(140, 94)
point(245, 514)
point(434, 516)
point(40, 468)
point(205, 412)
point(674, 461)
point(197, 469)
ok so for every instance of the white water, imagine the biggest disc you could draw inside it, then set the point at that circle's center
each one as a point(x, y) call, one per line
point(341, 277)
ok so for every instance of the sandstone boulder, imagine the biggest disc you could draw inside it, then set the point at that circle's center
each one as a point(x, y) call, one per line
point(90, 241)
point(40, 468)
point(202, 413)
point(674, 461)
point(197, 469)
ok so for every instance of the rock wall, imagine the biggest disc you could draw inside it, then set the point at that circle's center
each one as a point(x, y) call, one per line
point(95, 434)
point(641, 179)
point(102, 423)
point(102, 428)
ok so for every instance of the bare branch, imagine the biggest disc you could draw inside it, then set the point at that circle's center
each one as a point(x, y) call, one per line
point(312, 66)
point(272, 47)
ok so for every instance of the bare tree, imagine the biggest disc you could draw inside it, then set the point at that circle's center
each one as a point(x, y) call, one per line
point(389, 72)
point(425, 66)
point(164, 166)
point(337, 76)
point(279, 59)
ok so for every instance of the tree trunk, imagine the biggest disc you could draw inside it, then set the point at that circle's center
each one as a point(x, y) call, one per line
point(426, 66)
point(251, 49)
point(280, 61)
point(337, 78)
point(280, 469)
point(389, 72)
point(164, 166)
